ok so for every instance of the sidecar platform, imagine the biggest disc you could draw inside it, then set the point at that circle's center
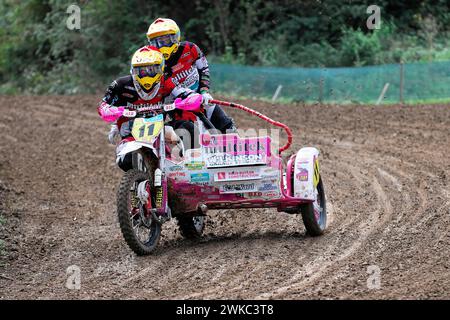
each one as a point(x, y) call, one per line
point(283, 204)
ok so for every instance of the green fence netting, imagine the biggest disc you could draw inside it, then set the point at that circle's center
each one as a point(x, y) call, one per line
point(412, 82)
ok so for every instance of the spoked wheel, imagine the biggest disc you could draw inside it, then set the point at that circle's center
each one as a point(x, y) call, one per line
point(315, 214)
point(140, 230)
point(191, 227)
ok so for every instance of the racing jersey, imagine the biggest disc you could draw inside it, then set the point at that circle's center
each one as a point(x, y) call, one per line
point(188, 68)
point(122, 93)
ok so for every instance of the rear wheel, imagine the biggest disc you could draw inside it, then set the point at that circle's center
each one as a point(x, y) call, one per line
point(140, 231)
point(191, 227)
point(314, 214)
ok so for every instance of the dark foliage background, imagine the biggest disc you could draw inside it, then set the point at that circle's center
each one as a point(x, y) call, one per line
point(39, 54)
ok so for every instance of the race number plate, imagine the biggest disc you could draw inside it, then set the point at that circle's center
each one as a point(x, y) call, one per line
point(146, 129)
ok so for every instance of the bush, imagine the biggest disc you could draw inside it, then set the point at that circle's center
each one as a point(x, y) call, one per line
point(359, 49)
point(314, 55)
point(38, 54)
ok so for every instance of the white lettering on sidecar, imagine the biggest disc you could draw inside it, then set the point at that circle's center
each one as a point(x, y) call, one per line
point(228, 160)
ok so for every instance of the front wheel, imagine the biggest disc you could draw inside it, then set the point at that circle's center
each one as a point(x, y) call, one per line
point(140, 231)
point(314, 214)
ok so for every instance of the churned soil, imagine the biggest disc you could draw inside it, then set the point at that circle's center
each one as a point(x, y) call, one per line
point(386, 172)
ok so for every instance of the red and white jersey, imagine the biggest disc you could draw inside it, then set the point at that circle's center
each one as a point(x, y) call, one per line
point(188, 68)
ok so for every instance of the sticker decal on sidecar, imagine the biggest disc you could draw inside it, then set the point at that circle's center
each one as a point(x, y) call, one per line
point(230, 150)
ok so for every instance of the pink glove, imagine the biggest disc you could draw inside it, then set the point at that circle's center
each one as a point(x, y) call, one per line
point(108, 113)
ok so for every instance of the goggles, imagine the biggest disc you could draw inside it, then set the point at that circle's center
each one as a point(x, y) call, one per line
point(148, 71)
point(164, 41)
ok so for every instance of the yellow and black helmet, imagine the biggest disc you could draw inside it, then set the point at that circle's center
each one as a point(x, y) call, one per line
point(147, 68)
point(164, 34)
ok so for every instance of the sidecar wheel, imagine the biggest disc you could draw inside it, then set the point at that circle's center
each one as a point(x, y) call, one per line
point(191, 227)
point(314, 214)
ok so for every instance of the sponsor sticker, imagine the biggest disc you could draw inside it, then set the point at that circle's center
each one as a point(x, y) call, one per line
point(237, 187)
point(201, 177)
point(157, 118)
point(193, 155)
point(302, 175)
point(145, 106)
point(176, 168)
point(316, 176)
point(195, 165)
point(255, 194)
point(235, 145)
point(265, 195)
point(269, 173)
point(271, 194)
point(188, 74)
point(237, 175)
point(302, 161)
point(177, 174)
point(268, 186)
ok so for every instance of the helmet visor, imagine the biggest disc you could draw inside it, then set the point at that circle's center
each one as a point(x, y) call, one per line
point(147, 71)
point(164, 41)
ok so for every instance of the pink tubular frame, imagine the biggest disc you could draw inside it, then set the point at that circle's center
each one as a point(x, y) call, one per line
point(259, 115)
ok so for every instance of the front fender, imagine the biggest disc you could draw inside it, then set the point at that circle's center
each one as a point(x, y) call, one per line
point(131, 146)
point(306, 173)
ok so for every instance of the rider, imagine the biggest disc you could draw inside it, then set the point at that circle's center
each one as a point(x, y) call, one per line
point(145, 87)
point(187, 66)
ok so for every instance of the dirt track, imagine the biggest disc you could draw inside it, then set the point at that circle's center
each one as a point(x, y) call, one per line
point(386, 172)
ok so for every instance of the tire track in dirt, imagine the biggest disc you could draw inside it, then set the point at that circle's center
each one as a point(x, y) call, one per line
point(365, 228)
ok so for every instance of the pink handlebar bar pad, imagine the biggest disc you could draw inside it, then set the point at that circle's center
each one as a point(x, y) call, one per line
point(191, 103)
point(110, 114)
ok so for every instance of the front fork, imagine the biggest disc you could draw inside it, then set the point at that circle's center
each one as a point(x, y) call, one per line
point(162, 212)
